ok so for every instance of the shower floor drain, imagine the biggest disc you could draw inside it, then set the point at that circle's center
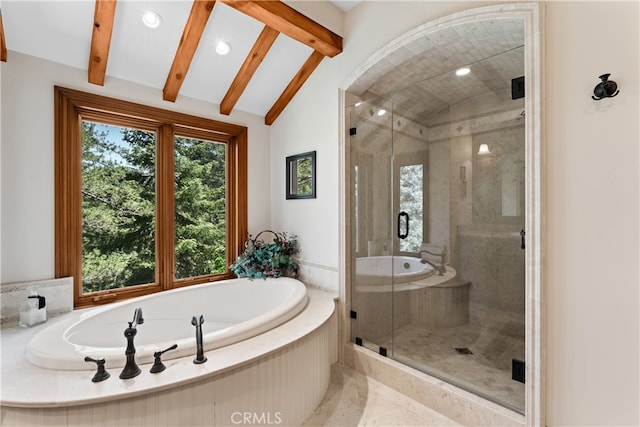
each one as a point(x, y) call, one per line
point(463, 350)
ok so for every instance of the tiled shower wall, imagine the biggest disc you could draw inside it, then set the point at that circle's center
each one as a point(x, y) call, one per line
point(484, 210)
point(490, 256)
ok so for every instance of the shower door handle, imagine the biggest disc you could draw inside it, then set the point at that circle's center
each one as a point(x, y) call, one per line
point(403, 232)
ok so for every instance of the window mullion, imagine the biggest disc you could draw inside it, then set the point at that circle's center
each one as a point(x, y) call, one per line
point(165, 207)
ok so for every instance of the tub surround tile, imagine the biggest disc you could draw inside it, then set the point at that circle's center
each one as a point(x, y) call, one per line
point(26, 385)
point(58, 292)
point(319, 275)
point(420, 302)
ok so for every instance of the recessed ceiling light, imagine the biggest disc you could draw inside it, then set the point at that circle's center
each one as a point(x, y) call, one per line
point(463, 71)
point(382, 112)
point(151, 19)
point(223, 47)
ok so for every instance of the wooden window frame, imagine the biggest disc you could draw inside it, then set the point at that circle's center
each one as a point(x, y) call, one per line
point(71, 108)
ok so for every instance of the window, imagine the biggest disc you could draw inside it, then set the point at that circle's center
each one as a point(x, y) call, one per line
point(146, 199)
point(411, 202)
point(118, 206)
point(411, 180)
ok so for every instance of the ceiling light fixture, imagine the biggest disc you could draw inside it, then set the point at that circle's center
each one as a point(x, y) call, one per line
point(223, 47)
point(382, 112)
point(359, 103)
point(151, 19)
point(463, 71)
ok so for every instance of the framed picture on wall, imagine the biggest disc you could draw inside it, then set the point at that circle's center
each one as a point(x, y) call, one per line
point(301, 176)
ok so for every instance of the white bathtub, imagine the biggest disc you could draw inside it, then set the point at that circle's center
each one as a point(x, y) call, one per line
point(397, 274)
point(283, 372)
point(379, 270)
point(233, 310)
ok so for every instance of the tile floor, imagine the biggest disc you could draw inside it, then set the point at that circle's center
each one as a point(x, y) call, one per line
point(486, 372)
point(356, 400)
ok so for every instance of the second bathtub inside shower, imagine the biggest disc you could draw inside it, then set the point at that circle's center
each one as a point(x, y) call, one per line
point(421, 297)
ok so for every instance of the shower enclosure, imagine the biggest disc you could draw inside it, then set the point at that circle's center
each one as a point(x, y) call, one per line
point(436, 162)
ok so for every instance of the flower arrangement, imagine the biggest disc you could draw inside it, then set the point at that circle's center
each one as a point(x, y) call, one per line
point(261, 260)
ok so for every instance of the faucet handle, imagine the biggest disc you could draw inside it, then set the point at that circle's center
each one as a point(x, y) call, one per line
point(158, 366)
point(101, 373)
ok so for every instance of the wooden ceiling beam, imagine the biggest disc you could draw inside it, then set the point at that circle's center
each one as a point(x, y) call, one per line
point(289, 21)
point(251, 63)
point(103, 16)
point(193, 29)
point(296, 83)
point(3, 42)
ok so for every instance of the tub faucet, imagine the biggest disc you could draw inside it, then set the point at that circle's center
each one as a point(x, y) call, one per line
point(200, 357)
point(131, 369)
point(439, 268)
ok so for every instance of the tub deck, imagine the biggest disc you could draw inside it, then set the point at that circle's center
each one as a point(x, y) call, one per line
point(28, 386)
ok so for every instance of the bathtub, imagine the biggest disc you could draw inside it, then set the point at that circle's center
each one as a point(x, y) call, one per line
point(421, 296)
point(233, 310)
point(379, 270)
point(280, 374)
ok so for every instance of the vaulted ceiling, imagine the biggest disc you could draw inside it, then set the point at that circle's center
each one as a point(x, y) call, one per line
point(274, 48)
point(419, 78)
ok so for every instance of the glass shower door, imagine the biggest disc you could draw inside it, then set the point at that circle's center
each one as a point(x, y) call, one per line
point(372, 242)
point(410, 191)
point(437, 199)
point(462, 183)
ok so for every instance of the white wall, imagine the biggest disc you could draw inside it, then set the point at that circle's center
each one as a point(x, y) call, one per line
point(593, 214)
point(27, 157)
point(592, 193)
point(313, 220)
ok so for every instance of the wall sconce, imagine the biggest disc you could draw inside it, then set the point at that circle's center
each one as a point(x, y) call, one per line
point(605, 89)
point(484, 149)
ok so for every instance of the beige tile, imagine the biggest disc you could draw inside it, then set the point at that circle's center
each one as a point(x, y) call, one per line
point(356, 400)
point(486, 372)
